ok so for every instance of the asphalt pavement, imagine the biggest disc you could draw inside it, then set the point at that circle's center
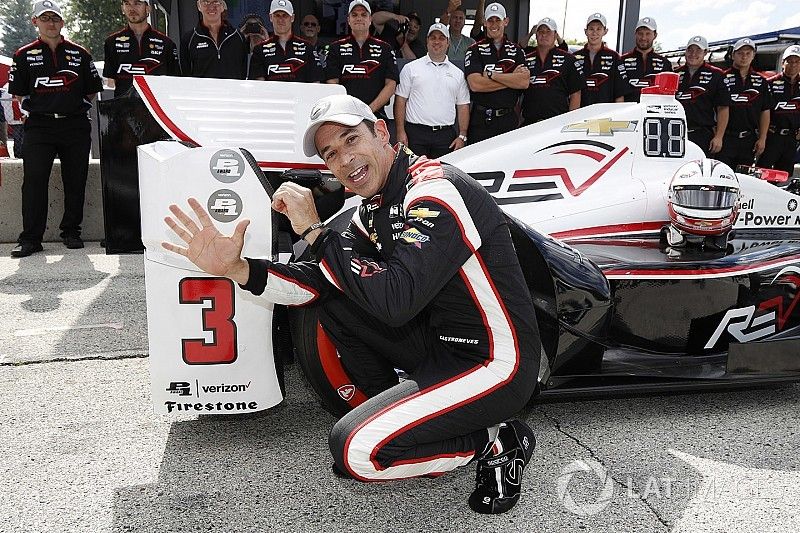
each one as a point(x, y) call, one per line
point(81, 450)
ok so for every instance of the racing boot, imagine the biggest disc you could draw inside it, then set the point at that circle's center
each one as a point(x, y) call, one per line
point(499, 470)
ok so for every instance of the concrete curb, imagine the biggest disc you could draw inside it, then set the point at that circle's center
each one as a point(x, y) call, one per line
point(11, 202)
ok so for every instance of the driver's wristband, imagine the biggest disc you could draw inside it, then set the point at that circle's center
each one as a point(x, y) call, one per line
point(312, 227)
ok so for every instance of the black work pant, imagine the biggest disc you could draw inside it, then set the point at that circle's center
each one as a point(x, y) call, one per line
point(424, 140)
point(702, 138)
point(780, 153)
point(45, 138)
point(434, 421)
point(737, 150)
point(482, 126)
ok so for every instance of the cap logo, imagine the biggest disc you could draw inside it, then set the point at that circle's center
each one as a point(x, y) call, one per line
point(493, 8)
point(319, 110)
point(646, 20)
point(47, 3)
point(282, 3)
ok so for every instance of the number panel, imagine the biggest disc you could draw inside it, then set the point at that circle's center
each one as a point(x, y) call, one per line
point(217, 319)
point(664, 137)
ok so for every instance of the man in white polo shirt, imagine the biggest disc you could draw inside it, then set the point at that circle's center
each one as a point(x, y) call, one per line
point(432, 93)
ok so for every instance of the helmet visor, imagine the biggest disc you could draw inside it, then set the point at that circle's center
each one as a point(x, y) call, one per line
point(704, 197)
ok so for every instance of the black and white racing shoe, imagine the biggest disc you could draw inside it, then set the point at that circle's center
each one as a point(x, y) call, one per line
point(498, 481)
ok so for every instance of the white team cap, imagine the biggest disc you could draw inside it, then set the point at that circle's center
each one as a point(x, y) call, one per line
point(793, 50)
point(494, 10)
point(46, 5)
point(547, 21)
point(438, 26)
point(698, 40)
point(356, 3)
point(599, 18)
point(281, 5)
point(647, 22)
point(744, 42)
point(339, 108)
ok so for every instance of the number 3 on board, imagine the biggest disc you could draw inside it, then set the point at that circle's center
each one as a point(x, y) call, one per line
point(217, 319)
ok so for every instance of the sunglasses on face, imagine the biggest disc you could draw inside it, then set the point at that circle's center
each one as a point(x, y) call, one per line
point(310, 24)
point(210, 2)
point(134, 3)
point(50, 18)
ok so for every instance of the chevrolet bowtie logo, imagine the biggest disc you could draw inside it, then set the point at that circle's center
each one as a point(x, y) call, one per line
point(601, 126)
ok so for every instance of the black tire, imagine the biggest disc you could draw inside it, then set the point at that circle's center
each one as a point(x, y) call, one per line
point(322, 371)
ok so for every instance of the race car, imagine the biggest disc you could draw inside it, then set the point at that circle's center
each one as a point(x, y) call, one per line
point(586, 195)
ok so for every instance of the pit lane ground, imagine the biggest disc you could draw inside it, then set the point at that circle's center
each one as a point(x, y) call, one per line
point(82, 450)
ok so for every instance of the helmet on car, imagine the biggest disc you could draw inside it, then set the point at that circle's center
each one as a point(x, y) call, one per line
point(703, 198)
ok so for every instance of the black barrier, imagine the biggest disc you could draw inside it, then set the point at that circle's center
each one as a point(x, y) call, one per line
point(125, 123)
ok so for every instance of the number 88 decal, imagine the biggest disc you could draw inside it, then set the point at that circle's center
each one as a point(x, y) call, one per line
point(664, 137)
point(217, 319)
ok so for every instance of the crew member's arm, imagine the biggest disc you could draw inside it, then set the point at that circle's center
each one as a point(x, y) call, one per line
point(184, 57)
point(574, 100)
point(452, 5)
point(763, 129)
point(715, 146)
point(384, 96)
point(380, 18)
point(488, 82)
point(389, 63)
point(527, 39)
point(462, 117)
point(333, 67)
point(477, 27)
point(110, 66)
point(400, 118)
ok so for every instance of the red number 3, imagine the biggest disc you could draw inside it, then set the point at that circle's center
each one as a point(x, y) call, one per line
point(218, 319)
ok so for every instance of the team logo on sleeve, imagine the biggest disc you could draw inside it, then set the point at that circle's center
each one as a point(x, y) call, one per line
point(226, 166)
point(224, 205)
point(415, 237)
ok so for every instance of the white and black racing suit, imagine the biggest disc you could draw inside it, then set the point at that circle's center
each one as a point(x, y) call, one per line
point(438, 292)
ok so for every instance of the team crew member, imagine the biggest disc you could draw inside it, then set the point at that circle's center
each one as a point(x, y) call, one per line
point(456, 18)
point(704, 96)
point(55, 80)
point(284, 56)
point(310, 28)
point(784, 125)
point(496, 75)
point(214, 48)
point(640, 66)
point(137, 49)
point(748, 124)
point(598, 66)
point(444, 299)
point(431, 93)
point(364, 65)
point(555, 85)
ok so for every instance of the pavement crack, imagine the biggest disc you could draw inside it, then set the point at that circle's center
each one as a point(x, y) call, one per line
point(557, 425)
point(108, 356)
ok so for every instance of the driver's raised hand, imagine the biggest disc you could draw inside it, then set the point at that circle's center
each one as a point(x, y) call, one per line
point(297, 203)
point(206, 247)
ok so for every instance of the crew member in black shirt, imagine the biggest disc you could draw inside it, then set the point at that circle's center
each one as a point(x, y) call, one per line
point(704, 96)
point(555, 86)
point(640, 66)
point(784, 125)
point(598, 66)
point(214, 48)
point(748, 125)
point(55, 81)
point(363, 64)
point(284, 56)
point(496, 75)
point(137, 49)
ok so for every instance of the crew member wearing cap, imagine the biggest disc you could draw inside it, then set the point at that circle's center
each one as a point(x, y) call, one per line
point(455, 17)
point(598, 66)
point(431, 94)
point(137, 49)
point(555, 85)
point(214, 48)
point(363, 64)
point(704, 96)
point(496, 75)
point(425, 279)
point(748, 123)
point(284, 56)
point(55, 80)
point(640, 66)
point(784, 124)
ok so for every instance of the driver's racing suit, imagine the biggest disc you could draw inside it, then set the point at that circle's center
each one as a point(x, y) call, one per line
point(439, 292)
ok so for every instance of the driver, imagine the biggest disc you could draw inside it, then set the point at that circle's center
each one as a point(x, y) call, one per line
point(703, 203)
point(425, 279)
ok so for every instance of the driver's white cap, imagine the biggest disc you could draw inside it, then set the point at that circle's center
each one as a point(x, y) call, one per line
point(281, 5)
point(355, 3)
point(793, 50)
point(647, 22)
point(339, 108)
point(494, 10)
